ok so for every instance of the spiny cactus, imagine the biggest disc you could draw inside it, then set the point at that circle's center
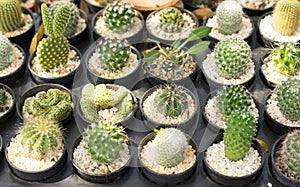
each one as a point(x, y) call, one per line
point(288, 159)
point(3, 99)
point(239, 134)
point(104, 141)
point(288, 97)
point(6, 52)
point(113, 53)
point(232, 57)
point(171, 19)
point(10, 15)
point(286, 16)
point(229, 17)
point(118, 16)
point(171, 100)
point(40, 134)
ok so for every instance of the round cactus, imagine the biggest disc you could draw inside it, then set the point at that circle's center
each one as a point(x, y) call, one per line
point(288, 97)
point(232, 57)
point(6, 52)
point(229, 17)
point(171, 19)
point(169, 147)
point(10, 15)
point(3, 99)
point(239, 134)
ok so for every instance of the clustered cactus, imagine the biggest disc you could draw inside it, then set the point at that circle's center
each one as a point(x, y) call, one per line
point(286, 16)
point(3, 100)
point(10, 15)
point(232, 57)
point(171, 19)
point(6, 52)
point(288, 97)
point(288, 155)
point(229, 17)
point(104, 141)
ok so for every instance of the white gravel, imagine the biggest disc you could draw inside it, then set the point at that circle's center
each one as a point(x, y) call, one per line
point(257, 4)
point(27, 23)
point(16, 63)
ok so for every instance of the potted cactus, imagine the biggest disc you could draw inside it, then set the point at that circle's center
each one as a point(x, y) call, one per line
point(282, 108)
point(37, 151)
point(167, 156)
point(7, 102)
point(60, 65)
point(102, 153)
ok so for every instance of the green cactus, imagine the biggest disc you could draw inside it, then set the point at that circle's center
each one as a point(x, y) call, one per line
point(3, 100)
point(40, 134)
point(288, 155)
point(118, 16)
point(125, 106)
point(229, 17)
point(113, 54)
point(104, 141)
point(169, 147)
point(286, 16)
point(171, 19)
point(288, 97)
point(10, 15)
point(239, 134)
point(232, 57)
point(6, 52)
point(171, 100)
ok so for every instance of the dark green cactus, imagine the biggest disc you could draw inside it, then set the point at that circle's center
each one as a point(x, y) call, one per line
point(239, 134)
point(6, 52)
point(10, 15)
point(171, 19)
point(3, 100)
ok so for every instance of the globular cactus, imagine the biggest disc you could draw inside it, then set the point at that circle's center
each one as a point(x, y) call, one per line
point(232, 57)
point(171, 100)
point(113, 54)
point(229, 17)
point(288, 155)
point(40, 135)
point(171, 19)
point(169, 147)
point(118, 16)
point(239, 134)
point(6, 52)
point(286, 16)
point(3, 99)
point(10, 15)
point(288, 97)
point(104, 141)
point(287, 58)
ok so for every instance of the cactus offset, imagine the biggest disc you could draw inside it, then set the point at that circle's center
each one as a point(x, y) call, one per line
point(171, 19)
point(6, 52)
point(286, 16)
point(3, 100)
point(10, 15)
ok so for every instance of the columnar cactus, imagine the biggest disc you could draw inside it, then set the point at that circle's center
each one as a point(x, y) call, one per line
point(239, 134)
point(171, 19)
point(232, 57)
point(288, 97)
point(171, 100)
point(10, 15)
point(286, 16)
point(288, 155)
point(6, 52)
point(104, 141)
point(169, 147)
point(3, 100)
point(229, 17)
point(113, 54)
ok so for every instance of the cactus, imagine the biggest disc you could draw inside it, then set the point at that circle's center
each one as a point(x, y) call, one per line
point(6, 52)
point(288, 159)
point(287, 58)
point(239, 134)
point(104, 141)
point(118, 16)
point(171, 100)
point(171, 19)
point(3, 99)
point(113, 54)
point(286, 16)
point(40, 135)
point(125, 106)
point(10, 15)
point(232, 57)
point(169, 147)
point(229, 17)
point(288, 97)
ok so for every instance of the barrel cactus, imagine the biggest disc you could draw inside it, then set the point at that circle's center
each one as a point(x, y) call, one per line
point(288, 97)
point(239, 134)
point(10, 15)
point(286, 16)
point(171, 19)
point(6, 52)
point(232, 57)
point(3, 100)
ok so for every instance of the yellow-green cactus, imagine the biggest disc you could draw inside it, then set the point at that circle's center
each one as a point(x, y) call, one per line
point(10, 15)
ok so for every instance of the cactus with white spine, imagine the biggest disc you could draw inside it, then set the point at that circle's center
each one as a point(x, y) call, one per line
point(6, 52)
point(171, 19)
point(10, 15)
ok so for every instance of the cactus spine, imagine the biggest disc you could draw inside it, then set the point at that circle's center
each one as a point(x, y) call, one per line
point(286, 16)
point(171, 19)
point(6, 52)
point(3, 99)
point(10, 15)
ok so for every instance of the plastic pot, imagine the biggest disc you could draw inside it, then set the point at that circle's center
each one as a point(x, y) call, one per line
point(191, 5)
point(256, 12)
point(1, 149)
point(10, 112)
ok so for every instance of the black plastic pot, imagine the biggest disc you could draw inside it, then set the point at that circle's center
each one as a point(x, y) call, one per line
point(77, 39)
point(256, 12)
point(10, 112)
point(191, 5)
point(1, 149)
point(94, 8)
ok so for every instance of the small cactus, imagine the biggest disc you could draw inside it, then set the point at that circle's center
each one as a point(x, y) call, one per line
point(286, 16)
point(6, 52)
point(239, 134)
point(288, 159)
point(3, 100)
point(10, 15)
point(171, 19)
point(288, 97)
point(232, 57)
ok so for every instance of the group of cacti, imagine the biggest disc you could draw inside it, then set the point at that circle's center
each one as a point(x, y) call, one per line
point(3, 100)
point(6, 52)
